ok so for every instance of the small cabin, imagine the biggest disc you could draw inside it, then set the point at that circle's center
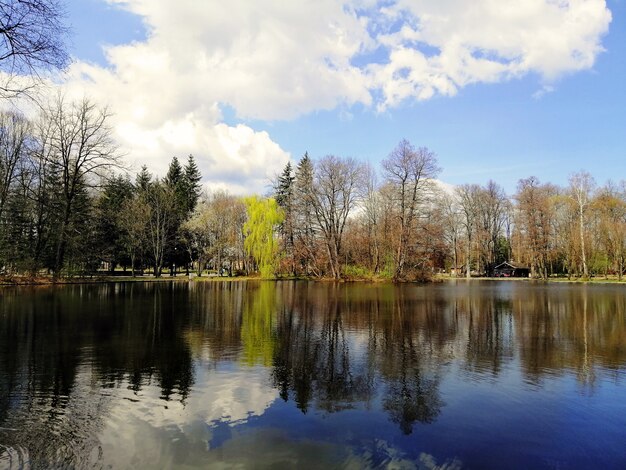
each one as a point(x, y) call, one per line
point(511, 270)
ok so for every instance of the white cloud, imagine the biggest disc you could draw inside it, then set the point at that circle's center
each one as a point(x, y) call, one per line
point(272, 60)
point(445, 45)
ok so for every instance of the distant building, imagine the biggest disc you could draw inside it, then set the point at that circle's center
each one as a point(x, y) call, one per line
point(507, 269)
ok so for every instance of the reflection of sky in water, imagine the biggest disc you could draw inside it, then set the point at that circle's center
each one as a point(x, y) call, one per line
point(460, 377)
point(234, 417)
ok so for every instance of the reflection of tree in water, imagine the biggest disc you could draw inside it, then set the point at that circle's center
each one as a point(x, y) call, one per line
point(571, 328)
point(339, 384)
point(139, 339)
point(489, 332)
point(410, 360)
point(256, 325)
point(313, 361)
point(412, 396)
point(317, 358)
point(60, 349)
point(330, 346)
point(296, 348)
point(214, 331)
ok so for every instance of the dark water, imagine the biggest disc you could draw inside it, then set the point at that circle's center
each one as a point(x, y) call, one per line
point(313, 375)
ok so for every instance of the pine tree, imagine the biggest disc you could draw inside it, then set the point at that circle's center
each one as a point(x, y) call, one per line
point(284, 187)
point(303, 213)
point(143, 179)
point(192, 179)
point(284, 198)
point(116, 191)
point(174, 173)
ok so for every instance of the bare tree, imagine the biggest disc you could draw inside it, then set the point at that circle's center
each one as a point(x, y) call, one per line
point(82, 153)
point(14, 135)
point(337, 186)
point(581, 186)
point(469, 196)
point(161, 200)
point(371, 213)
point(133, 221)
point(492, 218)
point(31, 40)
point(534, 223)
point(452, 218)
point(410, 173)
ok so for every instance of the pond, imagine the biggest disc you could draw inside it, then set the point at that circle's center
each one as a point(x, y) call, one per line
point(502, 374)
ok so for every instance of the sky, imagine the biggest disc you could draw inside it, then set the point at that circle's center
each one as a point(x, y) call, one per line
point(498, 90)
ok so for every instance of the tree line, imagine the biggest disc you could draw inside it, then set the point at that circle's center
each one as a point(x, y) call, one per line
point(68, 207)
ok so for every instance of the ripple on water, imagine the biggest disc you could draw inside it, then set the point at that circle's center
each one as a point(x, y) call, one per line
point(13, 457)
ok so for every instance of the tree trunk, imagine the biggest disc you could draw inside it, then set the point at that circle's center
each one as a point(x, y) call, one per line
point(468, 258)
point(582, 243)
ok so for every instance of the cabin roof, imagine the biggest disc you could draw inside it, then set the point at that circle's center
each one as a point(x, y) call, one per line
point(506, 264)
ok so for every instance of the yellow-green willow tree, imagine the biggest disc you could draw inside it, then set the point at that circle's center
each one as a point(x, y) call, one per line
point(264, 217)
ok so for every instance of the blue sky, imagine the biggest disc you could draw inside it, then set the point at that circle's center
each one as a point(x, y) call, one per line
point(547, 109)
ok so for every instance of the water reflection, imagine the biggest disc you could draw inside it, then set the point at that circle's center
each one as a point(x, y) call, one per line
point(210, 365)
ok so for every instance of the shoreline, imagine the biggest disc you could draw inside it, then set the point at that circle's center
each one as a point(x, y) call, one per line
point(19, 281)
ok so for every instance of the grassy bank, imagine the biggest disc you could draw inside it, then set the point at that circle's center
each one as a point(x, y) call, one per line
point(565, 280)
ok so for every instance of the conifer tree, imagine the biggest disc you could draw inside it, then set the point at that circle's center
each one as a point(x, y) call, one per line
point(284, 198)
point(304, 235)
point(192, 179)
point(143, 179)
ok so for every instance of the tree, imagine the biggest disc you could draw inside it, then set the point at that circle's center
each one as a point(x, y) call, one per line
point(581, 186)
point(15, 133)
point(535, 213)
point(191, 179)
point(492, 212)
point(264, 217)
point(304, 232)
point(31, 40)
point(133, 219)
point(336, 190)
point(116, 191)
point(199, 234)
point(82, 153)
point(161, 200)
point(452, 219)
point(15, 148)
point(284, 195)
point(143, 179)
point(610, 209)
point(468, 198)
point(410, 173)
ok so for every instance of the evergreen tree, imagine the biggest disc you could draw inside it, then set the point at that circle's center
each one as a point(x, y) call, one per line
point(304, 234)
point(116, 191)
point(176, 180)
point(192, 179)
point(143, 179)
point(174, 175)
point(284, 198)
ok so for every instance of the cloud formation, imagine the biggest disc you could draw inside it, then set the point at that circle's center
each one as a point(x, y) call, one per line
point(274, 60)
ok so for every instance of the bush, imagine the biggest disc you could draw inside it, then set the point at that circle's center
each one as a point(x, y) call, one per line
point(356, 273)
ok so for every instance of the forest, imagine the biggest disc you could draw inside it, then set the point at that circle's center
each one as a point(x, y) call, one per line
point(69, 207)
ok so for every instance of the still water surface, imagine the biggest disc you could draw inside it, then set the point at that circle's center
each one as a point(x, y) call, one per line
point(313, 375)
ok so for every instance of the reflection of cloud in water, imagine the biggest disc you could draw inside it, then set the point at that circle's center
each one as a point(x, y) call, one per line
point(156, 433)
point(218, 396)
point(212, 428)
point(193, 447)
point(234, 397)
